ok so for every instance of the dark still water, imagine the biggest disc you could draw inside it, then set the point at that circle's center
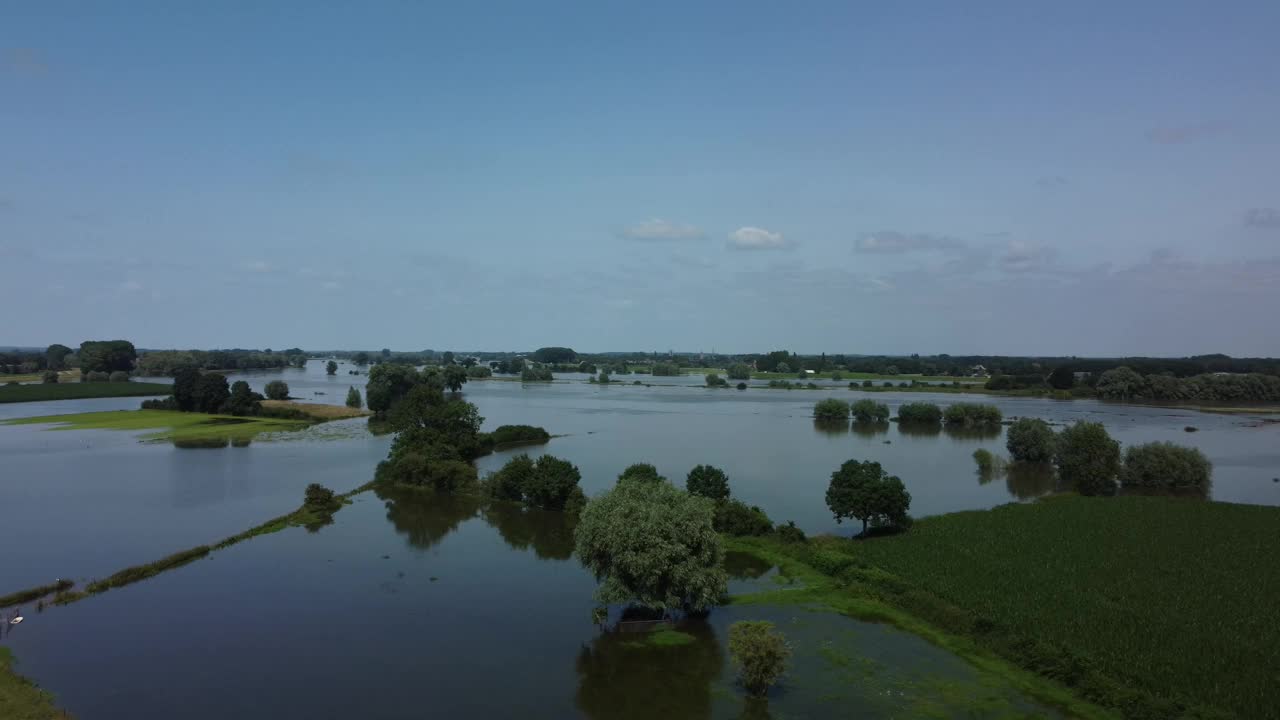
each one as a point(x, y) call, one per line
point(404, 608)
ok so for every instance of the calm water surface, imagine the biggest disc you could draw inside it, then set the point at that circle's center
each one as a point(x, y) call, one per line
point(405, 608)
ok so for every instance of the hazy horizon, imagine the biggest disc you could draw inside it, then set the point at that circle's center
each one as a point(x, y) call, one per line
point(1089, 180)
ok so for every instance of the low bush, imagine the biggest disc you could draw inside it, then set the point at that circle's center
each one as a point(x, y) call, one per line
point(50, 377)
point(734, 517)
point(920, 413)
point(518, 434)
point(118, 376)
point(973, 415)
point(986, 461)
point(741, 385)
point(789, 533)
point(95, 376)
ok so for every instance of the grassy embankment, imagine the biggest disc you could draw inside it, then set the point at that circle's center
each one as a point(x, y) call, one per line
point(64, 376)
point(20, 699)
point(168, 425)
point(80, 391)
point(1154, 607)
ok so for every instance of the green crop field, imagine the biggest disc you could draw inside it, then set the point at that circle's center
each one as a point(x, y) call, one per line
point(80, 391)
point(1158, 607)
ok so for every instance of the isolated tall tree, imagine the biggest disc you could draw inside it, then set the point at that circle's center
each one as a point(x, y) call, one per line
point(709, 482)
point(331, 368)
point(185, 381)
point(353, 398)
point(277, 390)
point(455, 376)
point(864, 491)
point(55, 355)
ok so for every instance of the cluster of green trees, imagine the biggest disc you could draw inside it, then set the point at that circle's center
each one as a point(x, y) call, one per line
point(194, 391)
point(1089, 460)
point(739, 371)
point(164, 363)
point(555, 355)
point(536, 374)
point(389, 383)
point(437, 434)
point(863, 411)
point(715, 381)
point(548, 483)
point(1124, 383)
point(973, 415)
point(919, 413)
point(55, 357)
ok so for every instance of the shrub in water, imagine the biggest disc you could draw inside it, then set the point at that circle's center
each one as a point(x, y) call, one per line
point(973, 415)
point(1031, 440)
point(276, 390)
point(831, 409)
point(759, 652)
point(1165, 465)
point(920, 413)
point(866, 411)
point(1088, 458)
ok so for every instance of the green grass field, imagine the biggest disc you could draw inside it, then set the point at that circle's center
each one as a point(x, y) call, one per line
point(167, 425)
point(1156, 607)
point(19, 698)
point(80, 391)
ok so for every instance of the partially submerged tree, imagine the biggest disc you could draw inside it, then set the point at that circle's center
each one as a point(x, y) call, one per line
point(831, 409)
point(760, 653)
point(869, 411)
point(652, 545)
point(864, 491)
point(1164, 465)
point(1088, 458)
point(276, 390)
point(1031, 440)
point(331, 368)
point(353, 398)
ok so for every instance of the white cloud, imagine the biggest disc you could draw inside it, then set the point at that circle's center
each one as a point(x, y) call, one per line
point(658, 229)
point(1022, 257)
point(754, 238)
point(894, 242)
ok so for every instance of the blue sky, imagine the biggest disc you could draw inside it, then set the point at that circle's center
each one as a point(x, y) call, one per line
point(1020, 178)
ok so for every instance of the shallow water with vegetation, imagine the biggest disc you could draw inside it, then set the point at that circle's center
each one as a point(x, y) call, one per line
point(406, 600)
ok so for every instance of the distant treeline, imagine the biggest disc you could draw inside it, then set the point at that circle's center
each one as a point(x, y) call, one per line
point(1124, 383)
point(167, 362)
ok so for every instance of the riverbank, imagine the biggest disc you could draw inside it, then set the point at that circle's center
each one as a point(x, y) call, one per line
point(168, 425)
point(80, 391)
point(1154, 607)
point(320, 412)
point(64, 376)
point(20, 699)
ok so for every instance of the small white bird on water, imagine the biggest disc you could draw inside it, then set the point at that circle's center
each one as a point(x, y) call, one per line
point(16, 620)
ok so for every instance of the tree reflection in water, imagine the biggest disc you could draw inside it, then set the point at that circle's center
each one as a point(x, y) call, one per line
point(745, 566)
point(629, 676)
point(425, 517)
point(831, 426)
point(549, 533)
point(870, 429)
